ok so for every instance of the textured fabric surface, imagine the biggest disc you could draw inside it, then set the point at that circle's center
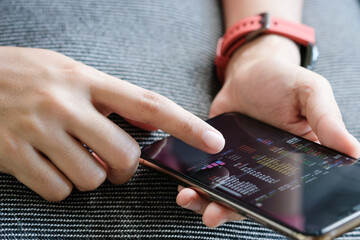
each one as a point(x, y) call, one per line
point(167, 47)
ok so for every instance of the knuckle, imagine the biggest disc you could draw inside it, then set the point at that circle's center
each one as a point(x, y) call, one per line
point(70, 115)
point(72, 70)
point(48, 101)
point(33, 125)
point(187, 126)
point(93, 180)
point(151, 103)
point(129, 159)
point(55, 105)
point(52, 188)
point(75, 73)
point(58, 192)
point(132, 157)
point(304, 91)
point(310, 82)
point(129, 156)
point(10, 147)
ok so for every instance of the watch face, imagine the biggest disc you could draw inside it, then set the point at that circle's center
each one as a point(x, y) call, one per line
point(309, 56)
point(315, 55)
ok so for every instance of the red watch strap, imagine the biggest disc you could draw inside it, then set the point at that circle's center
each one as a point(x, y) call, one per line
point(251, 27)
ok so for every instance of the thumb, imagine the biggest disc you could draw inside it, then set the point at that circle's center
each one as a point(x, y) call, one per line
point(332, 133)
point(221, 104)
point(323, 114)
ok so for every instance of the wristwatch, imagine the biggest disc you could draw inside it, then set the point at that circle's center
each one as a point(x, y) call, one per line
point(250, 28)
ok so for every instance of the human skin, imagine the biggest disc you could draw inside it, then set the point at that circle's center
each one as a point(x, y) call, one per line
point(51, 104)
point(264, 80)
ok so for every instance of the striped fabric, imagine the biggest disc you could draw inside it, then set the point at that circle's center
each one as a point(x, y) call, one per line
point(167, 47)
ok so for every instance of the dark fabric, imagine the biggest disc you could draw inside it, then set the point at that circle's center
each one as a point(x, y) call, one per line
point(167, 47)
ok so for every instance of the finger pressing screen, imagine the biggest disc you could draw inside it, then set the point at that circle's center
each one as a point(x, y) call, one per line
point(148, 107)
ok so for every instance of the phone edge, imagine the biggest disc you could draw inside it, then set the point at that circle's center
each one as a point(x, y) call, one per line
point(339, 230)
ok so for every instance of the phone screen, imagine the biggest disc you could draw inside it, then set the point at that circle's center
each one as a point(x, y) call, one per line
point(288, 179)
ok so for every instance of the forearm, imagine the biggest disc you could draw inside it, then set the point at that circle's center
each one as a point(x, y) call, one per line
point(235, 10)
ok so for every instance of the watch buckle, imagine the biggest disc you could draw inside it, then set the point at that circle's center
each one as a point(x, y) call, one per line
point(265, 25)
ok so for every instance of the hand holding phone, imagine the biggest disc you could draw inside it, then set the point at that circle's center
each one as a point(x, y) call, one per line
point(214, 214)
point(297, 187)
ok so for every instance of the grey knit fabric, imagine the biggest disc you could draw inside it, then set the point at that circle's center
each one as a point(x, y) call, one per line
point(167, 47)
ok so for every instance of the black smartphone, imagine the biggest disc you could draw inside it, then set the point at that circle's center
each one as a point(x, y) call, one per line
point(292, 185)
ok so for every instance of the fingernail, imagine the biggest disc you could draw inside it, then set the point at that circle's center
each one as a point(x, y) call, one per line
point(222, 221)
point(194, 206)
point(214, 141)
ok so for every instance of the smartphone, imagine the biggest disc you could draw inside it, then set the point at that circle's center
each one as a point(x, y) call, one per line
point(292, 185)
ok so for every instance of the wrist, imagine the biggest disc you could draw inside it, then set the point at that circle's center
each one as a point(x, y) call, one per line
point(265, 47)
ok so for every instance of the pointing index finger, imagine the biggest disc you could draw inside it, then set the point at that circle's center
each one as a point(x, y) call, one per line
point(148, 107)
